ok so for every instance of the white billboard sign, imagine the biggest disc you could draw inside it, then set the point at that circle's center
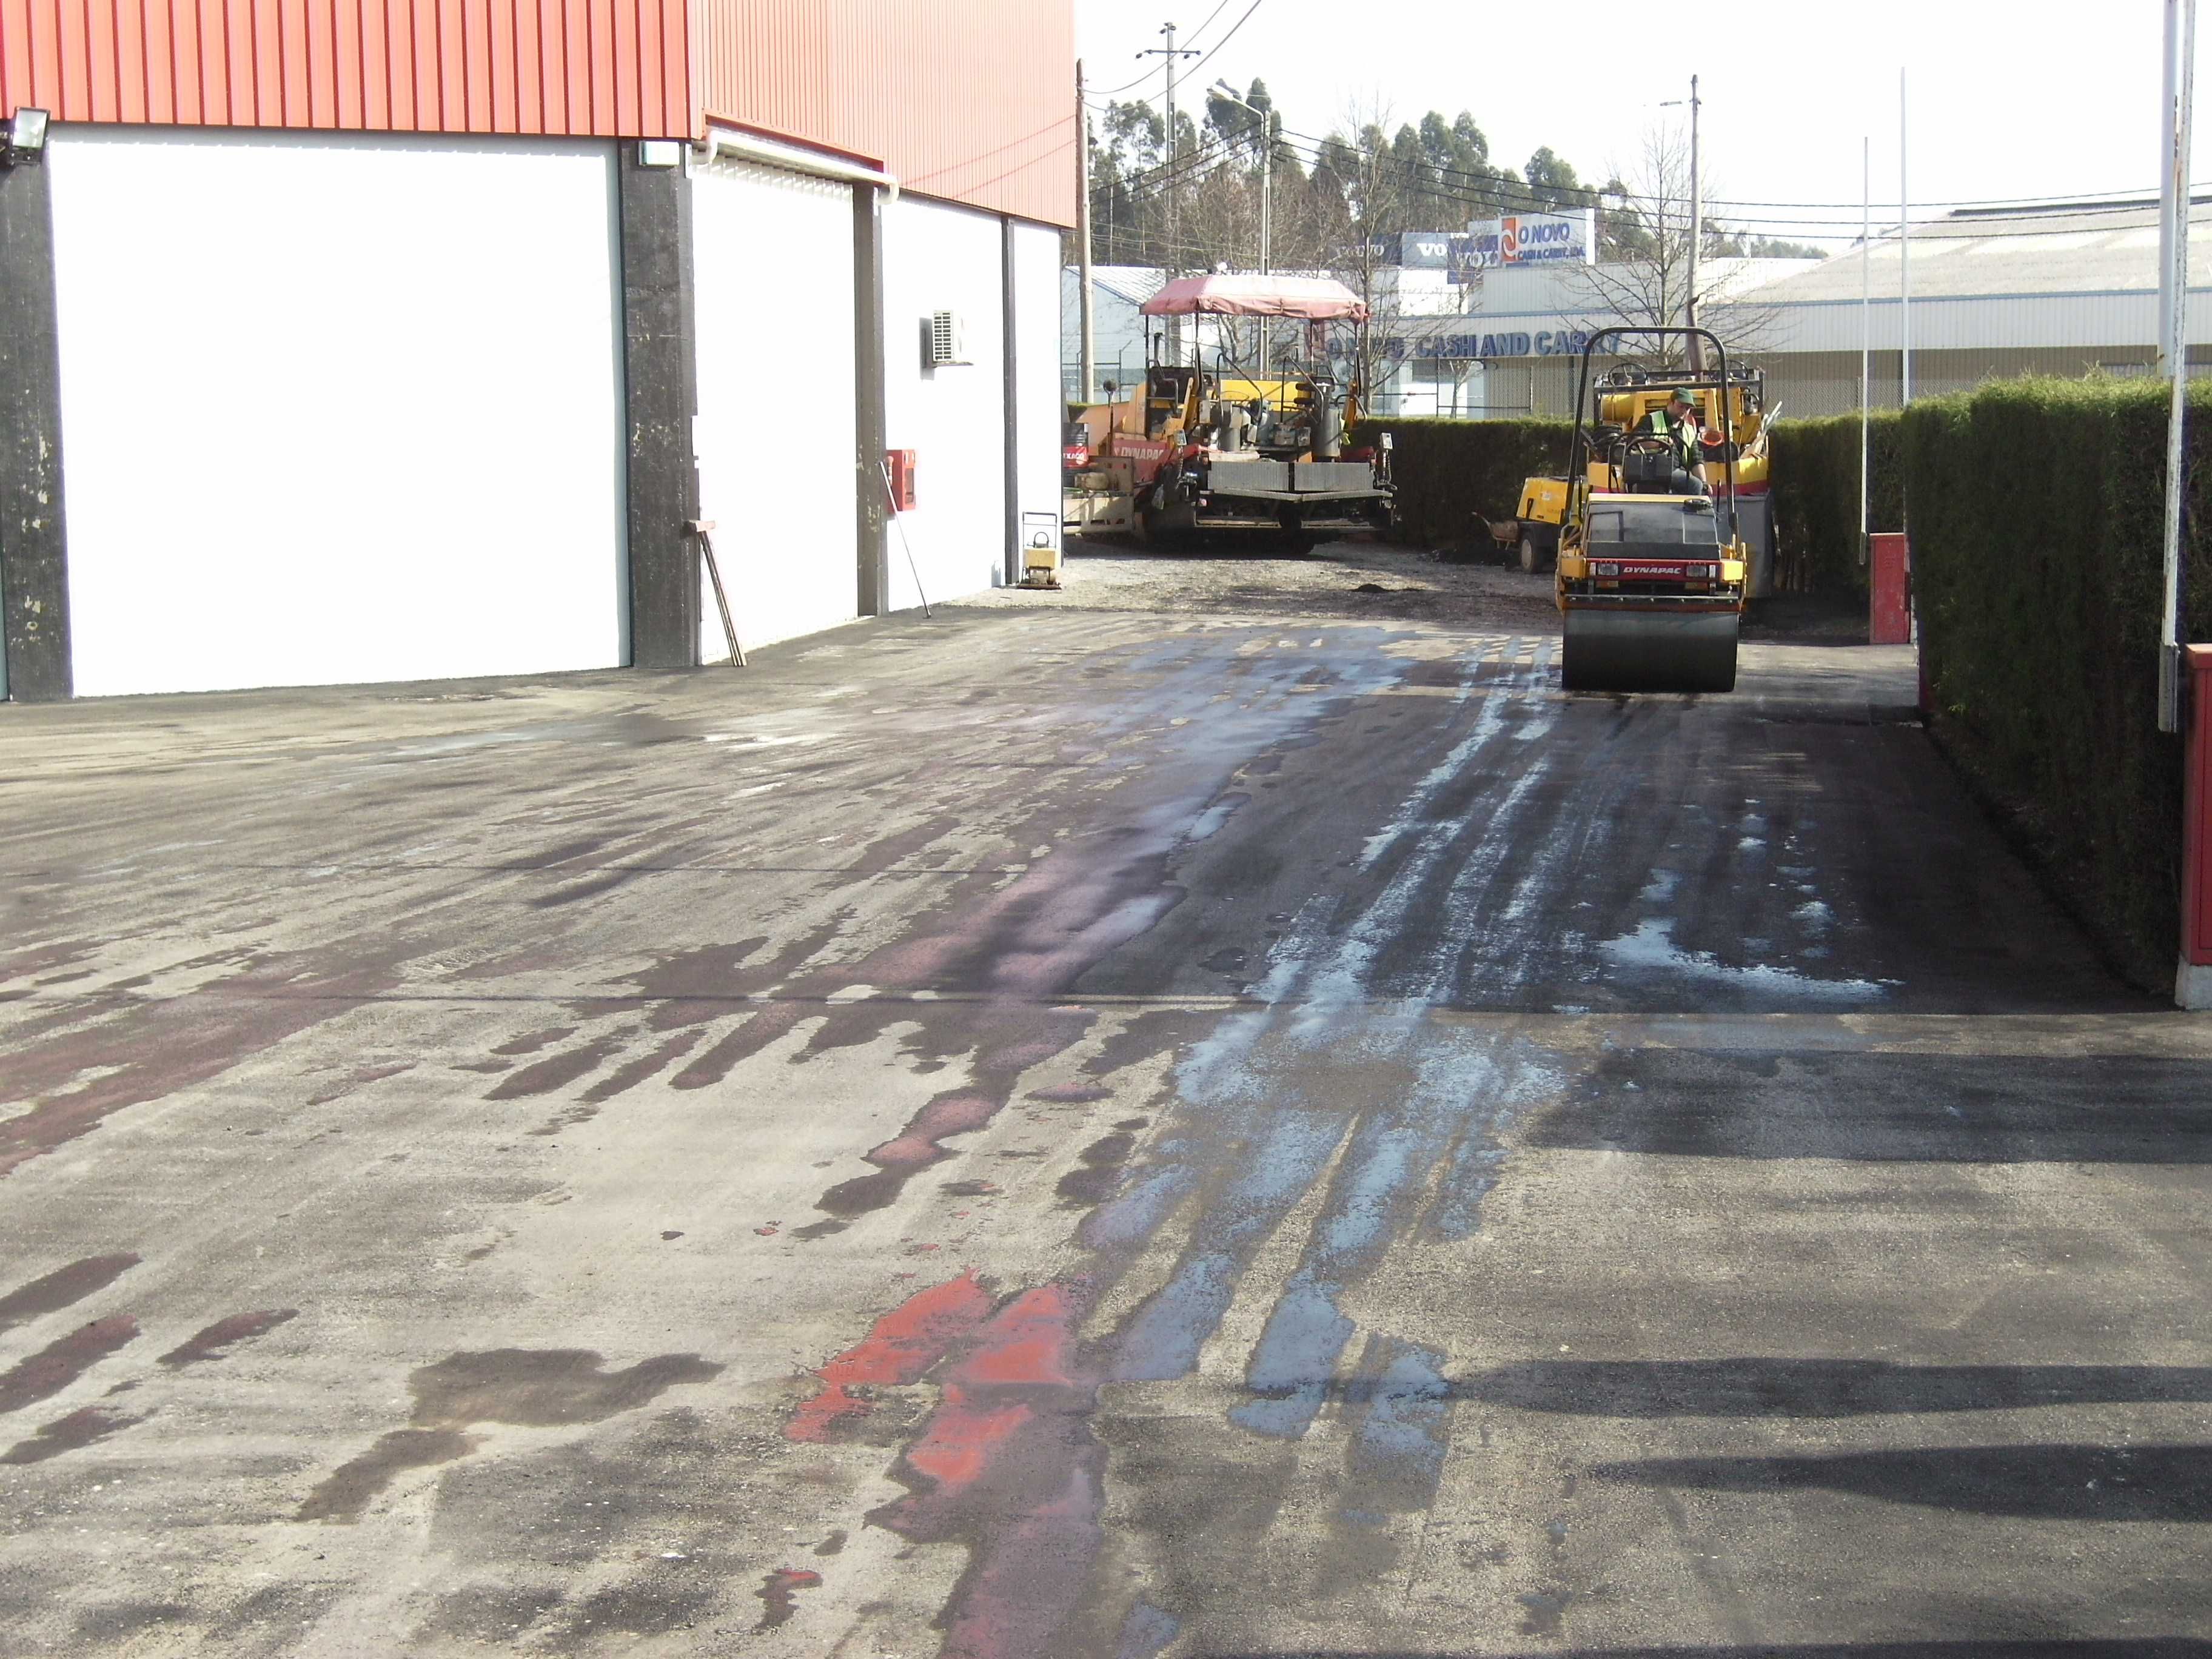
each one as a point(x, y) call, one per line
point(1526, 239)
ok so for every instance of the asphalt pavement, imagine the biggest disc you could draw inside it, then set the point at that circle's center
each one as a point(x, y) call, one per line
point(1087, 1132)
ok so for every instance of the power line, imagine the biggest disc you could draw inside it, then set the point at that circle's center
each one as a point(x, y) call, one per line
point(1161, 69)
point(1503, 188)
point(1498, 191)
point(1227, 37)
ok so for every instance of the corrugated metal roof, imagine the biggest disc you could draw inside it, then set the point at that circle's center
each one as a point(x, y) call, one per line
point(2093, 251)
point(581, 68)
point(968, 101)
point(1135, 284)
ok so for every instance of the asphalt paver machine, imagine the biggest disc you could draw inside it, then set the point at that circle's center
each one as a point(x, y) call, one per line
point(1233, 447)
point(1652, 556)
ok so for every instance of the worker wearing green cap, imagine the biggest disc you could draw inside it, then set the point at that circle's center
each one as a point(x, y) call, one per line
point(1676, 422)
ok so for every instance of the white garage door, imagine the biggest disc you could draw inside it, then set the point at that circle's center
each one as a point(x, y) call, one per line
point(337, 408)
point(773, 273)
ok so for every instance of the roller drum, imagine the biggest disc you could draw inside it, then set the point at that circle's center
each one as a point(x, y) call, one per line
point(1630, 650)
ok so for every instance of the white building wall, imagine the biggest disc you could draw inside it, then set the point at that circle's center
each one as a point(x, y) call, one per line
point(1119, 327)
point(1984, 322)
point(772, 270)
point(1117, 335)
point(337, 408)
point(940, 257)
point(1040, 408)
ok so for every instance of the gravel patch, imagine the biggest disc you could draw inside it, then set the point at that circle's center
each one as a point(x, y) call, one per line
point(1368, 579)
point(1357, 579)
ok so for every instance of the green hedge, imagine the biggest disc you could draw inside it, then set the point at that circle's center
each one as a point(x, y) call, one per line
point(2036, 509)
point(1450, 471)
point(1814, 469)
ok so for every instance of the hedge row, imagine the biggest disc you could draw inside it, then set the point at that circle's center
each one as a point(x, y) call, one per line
point(2037, 508)
point(1814, 469)
point(1450, 473)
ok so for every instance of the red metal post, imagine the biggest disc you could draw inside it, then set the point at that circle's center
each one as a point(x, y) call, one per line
point(2196, 816)
point(1889, 591)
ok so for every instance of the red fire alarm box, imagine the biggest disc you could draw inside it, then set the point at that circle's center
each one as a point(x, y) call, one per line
point(898, 465)
point(1889, 591)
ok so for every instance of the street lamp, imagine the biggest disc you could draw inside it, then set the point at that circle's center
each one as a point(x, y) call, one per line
point(25, 138)
point(1267, 157)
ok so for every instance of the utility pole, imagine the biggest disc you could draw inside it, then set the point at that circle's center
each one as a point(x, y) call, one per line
point(1266, 159)
point(2169, 99)
point(1866, 342)
point(1697, 214)
point(1697, 357)
point(1173, 263)
point(1168, 51)
point(2174, 624)
point(1089, 369)
point(1903, 261)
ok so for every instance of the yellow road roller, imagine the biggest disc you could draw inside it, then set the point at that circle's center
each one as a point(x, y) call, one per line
point(1652, 553)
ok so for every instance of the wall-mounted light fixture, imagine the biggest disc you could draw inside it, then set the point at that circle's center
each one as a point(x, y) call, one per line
point(26, 138)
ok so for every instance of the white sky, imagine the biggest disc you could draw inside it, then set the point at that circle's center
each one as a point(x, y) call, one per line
point(2009, 97)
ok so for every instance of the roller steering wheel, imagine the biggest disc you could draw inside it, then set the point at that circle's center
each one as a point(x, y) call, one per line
point(1648, 443)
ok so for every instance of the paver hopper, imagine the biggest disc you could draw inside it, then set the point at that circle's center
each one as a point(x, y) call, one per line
point(1237, 448)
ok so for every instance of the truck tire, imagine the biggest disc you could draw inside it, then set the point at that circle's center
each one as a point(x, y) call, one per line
point(1535, 559)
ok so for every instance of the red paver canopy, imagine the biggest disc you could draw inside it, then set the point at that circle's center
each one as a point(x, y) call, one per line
point(1316, 299)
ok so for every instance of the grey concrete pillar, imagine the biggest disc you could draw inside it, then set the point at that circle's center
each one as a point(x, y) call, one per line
point(660, 372)
point(35, 621)
point(870, 522)
point(1010, 536)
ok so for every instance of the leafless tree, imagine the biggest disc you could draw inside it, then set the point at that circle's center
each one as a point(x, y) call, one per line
point(1642, 276)
point(1361, 173)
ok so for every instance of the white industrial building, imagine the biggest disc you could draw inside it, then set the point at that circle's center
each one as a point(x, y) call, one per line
point(1502, 344)
point(2065, 289)
point(335, 373)
point(1117, 326)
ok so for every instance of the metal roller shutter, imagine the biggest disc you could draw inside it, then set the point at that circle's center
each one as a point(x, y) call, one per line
point(337, 408)
point(773, 275)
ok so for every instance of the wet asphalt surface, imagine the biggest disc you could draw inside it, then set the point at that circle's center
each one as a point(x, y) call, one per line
point(1080, 1132)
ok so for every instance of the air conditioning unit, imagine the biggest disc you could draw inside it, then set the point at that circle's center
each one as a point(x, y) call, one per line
point(943, 339)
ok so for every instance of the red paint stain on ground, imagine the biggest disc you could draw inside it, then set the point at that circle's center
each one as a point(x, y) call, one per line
point(948, 1114)
point(902, 1345)
point(209, 1344)
point(58, 1365)
point(1008, 1044)
point(151, 1050)
point(775, 1593)
point(67, 1434)
point(955, 1448)
point(1007, 1465)
point(63, 1286)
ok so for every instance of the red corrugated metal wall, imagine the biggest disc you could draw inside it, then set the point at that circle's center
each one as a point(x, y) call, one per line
point(582, 68)
point(973, 100)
